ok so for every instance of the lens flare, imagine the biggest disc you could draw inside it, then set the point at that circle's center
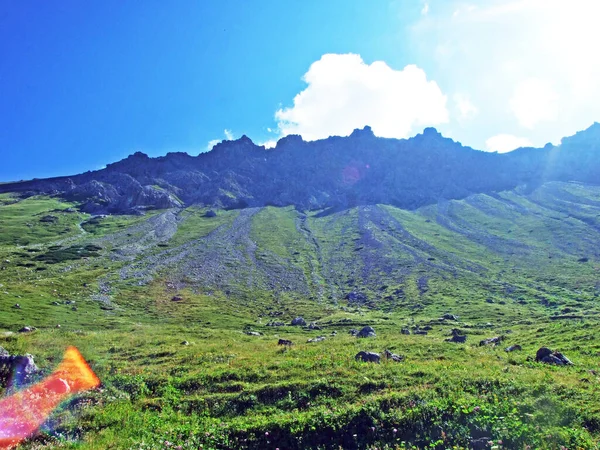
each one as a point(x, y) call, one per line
point(24, 412)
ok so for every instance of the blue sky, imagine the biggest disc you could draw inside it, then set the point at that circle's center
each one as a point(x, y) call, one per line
point(83, 84)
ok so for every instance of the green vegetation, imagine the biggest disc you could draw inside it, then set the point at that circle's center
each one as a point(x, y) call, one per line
point(524, 266)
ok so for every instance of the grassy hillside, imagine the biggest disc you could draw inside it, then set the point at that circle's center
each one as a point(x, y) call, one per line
point(185, 373)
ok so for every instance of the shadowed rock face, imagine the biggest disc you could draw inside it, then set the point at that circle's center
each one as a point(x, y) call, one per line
point(15, 368)
point(336, 172)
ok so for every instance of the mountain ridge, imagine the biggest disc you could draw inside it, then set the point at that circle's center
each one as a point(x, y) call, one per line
point(329, 173)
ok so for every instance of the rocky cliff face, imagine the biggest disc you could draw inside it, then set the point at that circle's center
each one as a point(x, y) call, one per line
point(330, 173)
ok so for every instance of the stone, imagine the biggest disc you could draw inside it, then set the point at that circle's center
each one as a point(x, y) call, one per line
point(16, 369)
point(17, 306)
point(317, 339)
point(389, 355)
point(299, 321)
point(448, 316)
point(210, 213)
point(513, 348)
point(547, 356)
point(353, 331)
point(405, 331)
point(491, 341)
point(313, 326)
point(458, 339)
point(285, 342)
point(26, 329)
point(176, 298)
point(366, 332)
point(253, 333)
point(368, 357)
point(185, 343)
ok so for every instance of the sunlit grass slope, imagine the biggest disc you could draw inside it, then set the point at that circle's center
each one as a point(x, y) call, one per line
point(162, 306)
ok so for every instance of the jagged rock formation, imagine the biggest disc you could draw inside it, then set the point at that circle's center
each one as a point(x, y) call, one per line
point(331, 173)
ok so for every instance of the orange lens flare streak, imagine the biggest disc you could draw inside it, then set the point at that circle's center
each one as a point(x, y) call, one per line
point(24, 412)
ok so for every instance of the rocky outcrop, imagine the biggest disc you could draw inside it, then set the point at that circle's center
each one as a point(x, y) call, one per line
point(547, 356)
point(334, 173)
point(366, 332)
point(16, 369)
point(368, 357)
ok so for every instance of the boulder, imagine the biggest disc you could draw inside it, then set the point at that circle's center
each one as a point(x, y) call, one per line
point(26, 329)
point(353, 331)
point(16, 369)
point(317, 339)
point(448, 316)
point(368, 357)
point(253, 333)
point(457, 337)
point(366, 332)
point(313, 326)
point(285, 342)
point(513, 348)
point(276, 324)
point(405, 331)
point(547, 356)
point(491, 341)
point(299, 321)
point(176, 298)
point(389, 355)
point(210, 213)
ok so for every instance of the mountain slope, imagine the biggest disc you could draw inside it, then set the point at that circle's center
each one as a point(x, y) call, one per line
point(330, 173)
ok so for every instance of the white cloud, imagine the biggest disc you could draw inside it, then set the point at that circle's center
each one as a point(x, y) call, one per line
point(528, 65)
point(228, 137)
point(465, 108)
point(534, 101)
point(345, 93)
point(425, 9)
point(269, 144)
point(503, 143)
point(212, 143)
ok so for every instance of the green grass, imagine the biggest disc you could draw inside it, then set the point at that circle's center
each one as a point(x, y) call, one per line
point(483, 259)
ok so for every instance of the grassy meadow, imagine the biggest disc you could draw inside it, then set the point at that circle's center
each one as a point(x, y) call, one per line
point(186, 373)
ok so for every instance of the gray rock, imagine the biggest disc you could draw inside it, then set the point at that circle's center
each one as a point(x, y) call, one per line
point(513, 348)
point(299, 321)
point(405, 331)
point(366, 332)
point(26, 329)
point(317, 339)
point(368, 357)
point(253, 333)
point(176, 298)
point(313, 326)
point(185, 343)
point(356, 297)
point(491, 341)
point(389, 355)
point(353, 331)
point(285, 342)
point(16, 369)
point(210, 213)
point(547, 356)
point(448, 316)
